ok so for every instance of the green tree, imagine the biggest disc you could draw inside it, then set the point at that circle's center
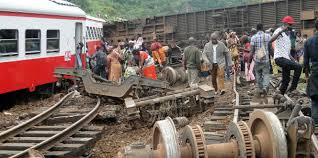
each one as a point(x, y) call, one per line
point(134, 9)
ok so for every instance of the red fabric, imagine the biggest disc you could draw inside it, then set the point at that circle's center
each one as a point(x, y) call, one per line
point(150, 72)
point(246, 54)
point(155, 46)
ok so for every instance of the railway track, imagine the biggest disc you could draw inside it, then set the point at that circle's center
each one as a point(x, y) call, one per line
point(63, 139)
point(238, 129)
point(216, 128)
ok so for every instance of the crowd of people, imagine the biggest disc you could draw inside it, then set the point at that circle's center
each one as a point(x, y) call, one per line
point(132, 57)
point(257, 53)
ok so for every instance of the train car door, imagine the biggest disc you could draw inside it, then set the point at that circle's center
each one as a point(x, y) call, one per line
point(79, 44)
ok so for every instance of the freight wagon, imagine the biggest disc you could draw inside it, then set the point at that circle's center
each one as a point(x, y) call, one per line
point(200, 24)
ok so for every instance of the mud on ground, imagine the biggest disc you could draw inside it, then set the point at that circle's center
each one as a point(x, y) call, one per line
point(116, 137)
point(19, 113)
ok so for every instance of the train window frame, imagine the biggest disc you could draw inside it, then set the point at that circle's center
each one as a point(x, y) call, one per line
point(53, 38)
point(29, 52)
point(16, 43)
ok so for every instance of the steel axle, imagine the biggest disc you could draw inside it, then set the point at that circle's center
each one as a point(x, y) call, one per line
point(263, 138)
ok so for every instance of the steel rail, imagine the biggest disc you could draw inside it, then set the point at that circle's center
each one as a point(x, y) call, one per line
point(168, 93)
point(237, 100)
point(168, 97)
point(257, 106)
point(50, 142)
point(33, 121)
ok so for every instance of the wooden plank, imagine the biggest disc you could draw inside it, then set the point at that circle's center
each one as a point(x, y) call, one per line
point(51, 133)
point(26, 139)
point(87, 134)
point(16, 146)
point(8, 153)
point(38, 133)
point(47, 154)
point(23, 146)
point(67, 147)
point(53, 128)
point(222, 113)
point(49, 128)
point(70, 140)
point(64, 119)
point(56, 153)
point(215, 118)
point(229, 108)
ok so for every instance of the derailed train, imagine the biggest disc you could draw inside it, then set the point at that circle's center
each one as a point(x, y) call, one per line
point(38, 36)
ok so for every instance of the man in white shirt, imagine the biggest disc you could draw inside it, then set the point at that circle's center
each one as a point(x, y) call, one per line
point(283, 57)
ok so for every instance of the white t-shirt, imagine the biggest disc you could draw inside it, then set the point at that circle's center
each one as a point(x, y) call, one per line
point(214, 53)
point(282, 45)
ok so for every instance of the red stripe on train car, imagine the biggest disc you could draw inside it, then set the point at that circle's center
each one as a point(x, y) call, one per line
point(28, 74)
point(35, 15)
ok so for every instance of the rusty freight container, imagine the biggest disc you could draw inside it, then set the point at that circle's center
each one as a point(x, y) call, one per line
point(200, 24)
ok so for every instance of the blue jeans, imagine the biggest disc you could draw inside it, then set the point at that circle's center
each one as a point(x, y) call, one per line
point(314, 109)
point(262, 75)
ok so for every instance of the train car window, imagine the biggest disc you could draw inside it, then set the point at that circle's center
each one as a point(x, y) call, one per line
point(8, 42)
point(87, 33)
point(32, 41)
point(97, 33)
point(53, 41)
point(101, 32)
point(92, 33)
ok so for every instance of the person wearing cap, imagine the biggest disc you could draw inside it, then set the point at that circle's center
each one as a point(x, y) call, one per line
point(192, 62)
point(217, 53)
point(311, 71)
point(282, 56)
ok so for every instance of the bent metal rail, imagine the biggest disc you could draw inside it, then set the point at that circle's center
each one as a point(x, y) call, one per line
point(49, 139)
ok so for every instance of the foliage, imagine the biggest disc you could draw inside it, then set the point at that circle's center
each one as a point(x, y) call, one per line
point(133, 9)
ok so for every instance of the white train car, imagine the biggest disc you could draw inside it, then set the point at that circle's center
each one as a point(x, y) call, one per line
point(36, 36)
point(94, 33)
